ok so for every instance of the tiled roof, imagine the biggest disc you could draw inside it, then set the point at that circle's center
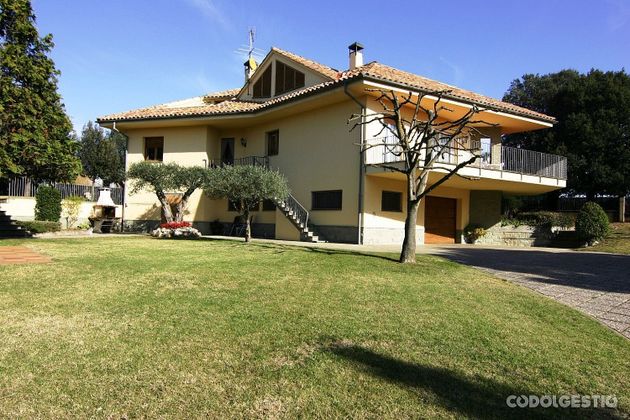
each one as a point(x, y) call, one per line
point(391, 74)
point(206, 106)
point(227, 94)
point(164, 111)
point(315, 66)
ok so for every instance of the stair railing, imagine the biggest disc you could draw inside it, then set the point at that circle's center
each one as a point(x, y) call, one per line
point(300, 212)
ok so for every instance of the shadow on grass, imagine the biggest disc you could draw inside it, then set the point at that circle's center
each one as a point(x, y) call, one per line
point(279, 248)
point(331, 251)
point(475, 397)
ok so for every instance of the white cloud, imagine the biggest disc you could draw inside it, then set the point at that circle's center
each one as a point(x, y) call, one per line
point(210, 10)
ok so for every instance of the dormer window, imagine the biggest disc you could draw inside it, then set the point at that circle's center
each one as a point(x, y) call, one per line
point(262, 87)
point(287, 78)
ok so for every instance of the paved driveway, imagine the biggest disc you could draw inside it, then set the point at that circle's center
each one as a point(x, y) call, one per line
point(594, 283)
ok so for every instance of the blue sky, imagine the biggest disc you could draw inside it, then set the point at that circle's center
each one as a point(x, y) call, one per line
point(117, 55)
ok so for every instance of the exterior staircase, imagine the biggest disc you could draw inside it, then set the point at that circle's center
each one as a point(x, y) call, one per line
point(299, 217)
point(8, 228)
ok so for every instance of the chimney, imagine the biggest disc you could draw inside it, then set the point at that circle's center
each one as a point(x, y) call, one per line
point(356, 55)
point(250, 67)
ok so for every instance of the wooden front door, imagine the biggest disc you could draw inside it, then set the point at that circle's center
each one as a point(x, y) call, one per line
point(439, 220)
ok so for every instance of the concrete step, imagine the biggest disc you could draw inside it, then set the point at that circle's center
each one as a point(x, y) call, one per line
point(14, 234)
point(10, 227)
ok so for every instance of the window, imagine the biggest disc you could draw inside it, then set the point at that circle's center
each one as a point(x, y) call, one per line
point(262, 87)
point(273, 143)
point(287, 78)
point(268, 205)
point(486, 150)
point(326, 200)
point(391, 201)
point(154, 148)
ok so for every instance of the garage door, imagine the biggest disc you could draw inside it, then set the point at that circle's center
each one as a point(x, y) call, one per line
point(439, 220)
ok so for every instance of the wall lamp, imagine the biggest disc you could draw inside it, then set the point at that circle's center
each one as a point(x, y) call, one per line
point(243, 142)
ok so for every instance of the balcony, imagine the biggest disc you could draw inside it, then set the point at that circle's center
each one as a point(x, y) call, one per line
point(494, 157)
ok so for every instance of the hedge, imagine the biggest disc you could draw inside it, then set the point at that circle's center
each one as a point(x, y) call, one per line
point(40, 226)
point(47, 204)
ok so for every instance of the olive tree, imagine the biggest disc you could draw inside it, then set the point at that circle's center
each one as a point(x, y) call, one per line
point(163, 178)
point(245, 187)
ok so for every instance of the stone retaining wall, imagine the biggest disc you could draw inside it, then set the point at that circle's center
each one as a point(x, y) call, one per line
point(525, 236)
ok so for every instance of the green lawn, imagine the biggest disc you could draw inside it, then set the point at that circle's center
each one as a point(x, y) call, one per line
point(140, 327)
point(617, 242)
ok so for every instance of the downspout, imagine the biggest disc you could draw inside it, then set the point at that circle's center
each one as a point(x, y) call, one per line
point(124, 191)
point(361, 164)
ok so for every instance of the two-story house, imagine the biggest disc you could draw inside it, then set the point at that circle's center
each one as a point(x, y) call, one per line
point(292, 114)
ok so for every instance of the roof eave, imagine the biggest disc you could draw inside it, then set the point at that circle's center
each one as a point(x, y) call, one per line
point(549, 119)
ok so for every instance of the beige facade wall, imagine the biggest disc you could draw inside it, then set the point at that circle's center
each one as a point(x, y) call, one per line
point(183, 145)
point(316, 152)
point(388, 227)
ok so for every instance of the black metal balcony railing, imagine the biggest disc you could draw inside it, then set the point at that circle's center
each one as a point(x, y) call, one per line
point(533, 163)
point(244, 161)
point(492, 156)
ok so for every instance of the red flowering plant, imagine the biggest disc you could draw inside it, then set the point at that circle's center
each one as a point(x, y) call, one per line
point(175, 225)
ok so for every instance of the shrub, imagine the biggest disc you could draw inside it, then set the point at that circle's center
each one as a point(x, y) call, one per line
point(473, 232)
point(71, 207)
point(47, 204)
point(511, 206)
point(592, 223)
point(40, 226)
point(542, 219)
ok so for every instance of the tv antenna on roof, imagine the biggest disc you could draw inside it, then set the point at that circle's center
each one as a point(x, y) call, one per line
point(248, 51)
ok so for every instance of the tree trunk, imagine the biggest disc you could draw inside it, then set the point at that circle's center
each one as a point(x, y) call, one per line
point(183, 205)
point(180, 209)
point(248, 227)
point(408, 252)
point(622, 209)
point(166, 207)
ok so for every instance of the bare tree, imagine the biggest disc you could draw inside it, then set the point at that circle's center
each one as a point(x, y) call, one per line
point(426, 139)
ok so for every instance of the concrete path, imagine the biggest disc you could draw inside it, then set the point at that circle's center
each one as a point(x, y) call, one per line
point(20, 255)
point(597, 284)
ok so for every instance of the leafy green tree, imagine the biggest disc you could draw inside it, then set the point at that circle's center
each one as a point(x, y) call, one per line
point(163, 178)
point(245, 187)
point(102, 154)
point(35, 131)
point(593, 128)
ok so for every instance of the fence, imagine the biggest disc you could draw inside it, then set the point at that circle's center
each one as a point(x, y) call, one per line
point(387, 150)
point(543, 202)
point(23, 187)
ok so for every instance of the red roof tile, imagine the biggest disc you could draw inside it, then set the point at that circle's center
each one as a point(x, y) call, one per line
point(206, 106)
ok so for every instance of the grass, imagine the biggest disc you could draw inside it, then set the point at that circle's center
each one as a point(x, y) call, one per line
point(617, 242)
point(139, 327)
